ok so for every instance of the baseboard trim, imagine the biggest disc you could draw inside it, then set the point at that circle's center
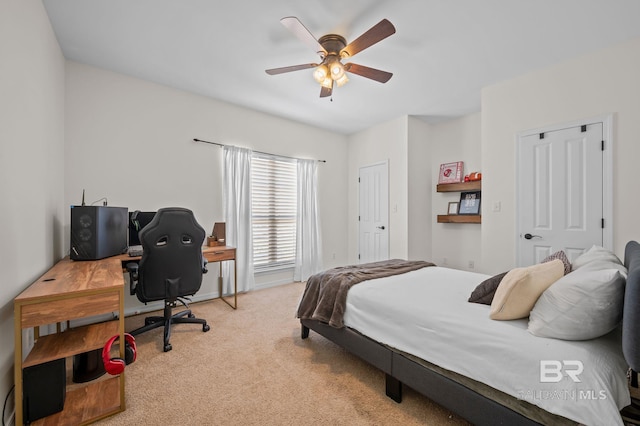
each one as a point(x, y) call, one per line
point(200, 297)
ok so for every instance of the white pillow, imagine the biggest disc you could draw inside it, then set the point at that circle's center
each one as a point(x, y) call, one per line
point(582, 305)
point(520, 288)
point(596, 265)
point(595, 253)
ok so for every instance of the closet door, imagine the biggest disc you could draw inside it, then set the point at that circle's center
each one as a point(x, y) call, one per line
point(374, 213)
point(559, 192)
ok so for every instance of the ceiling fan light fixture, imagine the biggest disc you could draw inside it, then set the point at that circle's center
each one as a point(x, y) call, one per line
point(327, 83)
point(342, 80)
point(337, 70)
point(320, 73)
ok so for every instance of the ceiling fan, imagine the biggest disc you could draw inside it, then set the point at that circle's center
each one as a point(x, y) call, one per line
point(332, 49)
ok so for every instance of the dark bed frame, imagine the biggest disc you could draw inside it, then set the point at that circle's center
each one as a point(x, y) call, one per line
point(475, 406)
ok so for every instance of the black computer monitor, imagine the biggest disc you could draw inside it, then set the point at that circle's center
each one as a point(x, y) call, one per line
point(137, 221)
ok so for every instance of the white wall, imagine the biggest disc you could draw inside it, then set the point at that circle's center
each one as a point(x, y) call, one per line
point(415, 150)
point(384, 142)
point(132, 141)
point(420, 189)
point(31, 159)
point(591, 85)
point(456, 244)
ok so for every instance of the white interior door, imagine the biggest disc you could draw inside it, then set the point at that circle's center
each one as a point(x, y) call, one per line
point(374, 213)
point(560, 192)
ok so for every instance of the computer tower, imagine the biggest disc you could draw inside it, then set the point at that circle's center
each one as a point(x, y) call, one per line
point(43, 389)
point(98, 231)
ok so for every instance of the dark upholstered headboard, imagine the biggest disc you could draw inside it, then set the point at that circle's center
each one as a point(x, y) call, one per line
point(631, 313)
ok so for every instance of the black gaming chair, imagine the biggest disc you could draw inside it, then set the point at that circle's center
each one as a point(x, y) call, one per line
point(171, 268)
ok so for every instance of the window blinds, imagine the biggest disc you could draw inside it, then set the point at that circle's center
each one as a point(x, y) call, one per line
point(274, 204)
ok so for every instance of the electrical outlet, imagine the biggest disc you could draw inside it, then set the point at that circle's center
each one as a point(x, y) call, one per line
point(471, 264)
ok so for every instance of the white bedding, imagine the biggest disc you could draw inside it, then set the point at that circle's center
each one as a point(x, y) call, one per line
point(426, 313)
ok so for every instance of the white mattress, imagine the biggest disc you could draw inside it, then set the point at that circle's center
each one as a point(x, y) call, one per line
point(426, 313)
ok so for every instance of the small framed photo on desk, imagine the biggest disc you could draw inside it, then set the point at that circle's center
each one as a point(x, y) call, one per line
point(453, 208)
point(469, 202)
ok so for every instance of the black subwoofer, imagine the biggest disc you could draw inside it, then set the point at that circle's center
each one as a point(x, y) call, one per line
point(88, 366)
point(44, 389)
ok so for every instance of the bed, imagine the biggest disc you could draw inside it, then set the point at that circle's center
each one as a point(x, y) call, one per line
point(420, 330)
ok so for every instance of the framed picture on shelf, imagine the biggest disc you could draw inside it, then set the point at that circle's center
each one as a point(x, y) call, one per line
point(469, 202)
point(453, 208)
point(451, 172)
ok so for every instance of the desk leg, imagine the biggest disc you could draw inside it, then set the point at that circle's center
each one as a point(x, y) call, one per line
point(235, 286)
point(220, 279)
point(17, 368)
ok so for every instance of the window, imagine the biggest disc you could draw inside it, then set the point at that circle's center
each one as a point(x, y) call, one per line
point(274, 204)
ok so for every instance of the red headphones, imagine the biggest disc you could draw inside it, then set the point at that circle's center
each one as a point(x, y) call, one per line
point(115, 366)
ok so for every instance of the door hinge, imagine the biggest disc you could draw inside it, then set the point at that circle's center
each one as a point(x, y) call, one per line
point(602, 146)
point(358, 256)
point(583, 128)
point(602, 223)
point(358, 180)
point(358, 218)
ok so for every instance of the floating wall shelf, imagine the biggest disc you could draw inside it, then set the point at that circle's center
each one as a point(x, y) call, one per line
point(459, 187)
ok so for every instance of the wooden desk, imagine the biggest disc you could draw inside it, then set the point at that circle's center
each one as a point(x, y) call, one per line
point(71, 290)
point(220, 254)
point(212, 254)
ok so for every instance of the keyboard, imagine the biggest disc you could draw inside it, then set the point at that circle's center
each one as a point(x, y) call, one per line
point(135, 251)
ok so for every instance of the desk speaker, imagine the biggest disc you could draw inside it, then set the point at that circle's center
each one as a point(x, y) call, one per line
point(88, 366)
point(98, 231)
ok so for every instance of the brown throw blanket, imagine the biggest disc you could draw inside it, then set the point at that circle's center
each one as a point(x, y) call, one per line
point(325, 297)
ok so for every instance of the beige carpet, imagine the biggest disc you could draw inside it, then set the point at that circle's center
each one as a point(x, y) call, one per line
point(252, 368)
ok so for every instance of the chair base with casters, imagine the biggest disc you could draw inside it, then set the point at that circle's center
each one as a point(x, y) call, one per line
point(167, 320)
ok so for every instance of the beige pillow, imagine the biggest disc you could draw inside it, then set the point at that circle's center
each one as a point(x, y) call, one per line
point(520, 288)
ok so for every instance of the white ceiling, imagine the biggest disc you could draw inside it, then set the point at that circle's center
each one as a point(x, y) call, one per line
point(441, 56)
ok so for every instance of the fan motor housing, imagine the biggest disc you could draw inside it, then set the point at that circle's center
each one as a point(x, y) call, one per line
point(333, 43)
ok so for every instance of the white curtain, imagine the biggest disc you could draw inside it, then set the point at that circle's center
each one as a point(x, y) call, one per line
point(308, 241)
point(237, 214)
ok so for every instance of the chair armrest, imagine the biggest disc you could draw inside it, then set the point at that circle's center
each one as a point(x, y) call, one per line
point(132, 268)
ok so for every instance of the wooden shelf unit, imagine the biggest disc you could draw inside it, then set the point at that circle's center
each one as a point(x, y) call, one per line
point(68, 291)
point(459, 187)
point(459, 218)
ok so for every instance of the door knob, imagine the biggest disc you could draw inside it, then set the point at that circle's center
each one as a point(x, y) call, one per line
point(529, 236)
point(380, 227)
